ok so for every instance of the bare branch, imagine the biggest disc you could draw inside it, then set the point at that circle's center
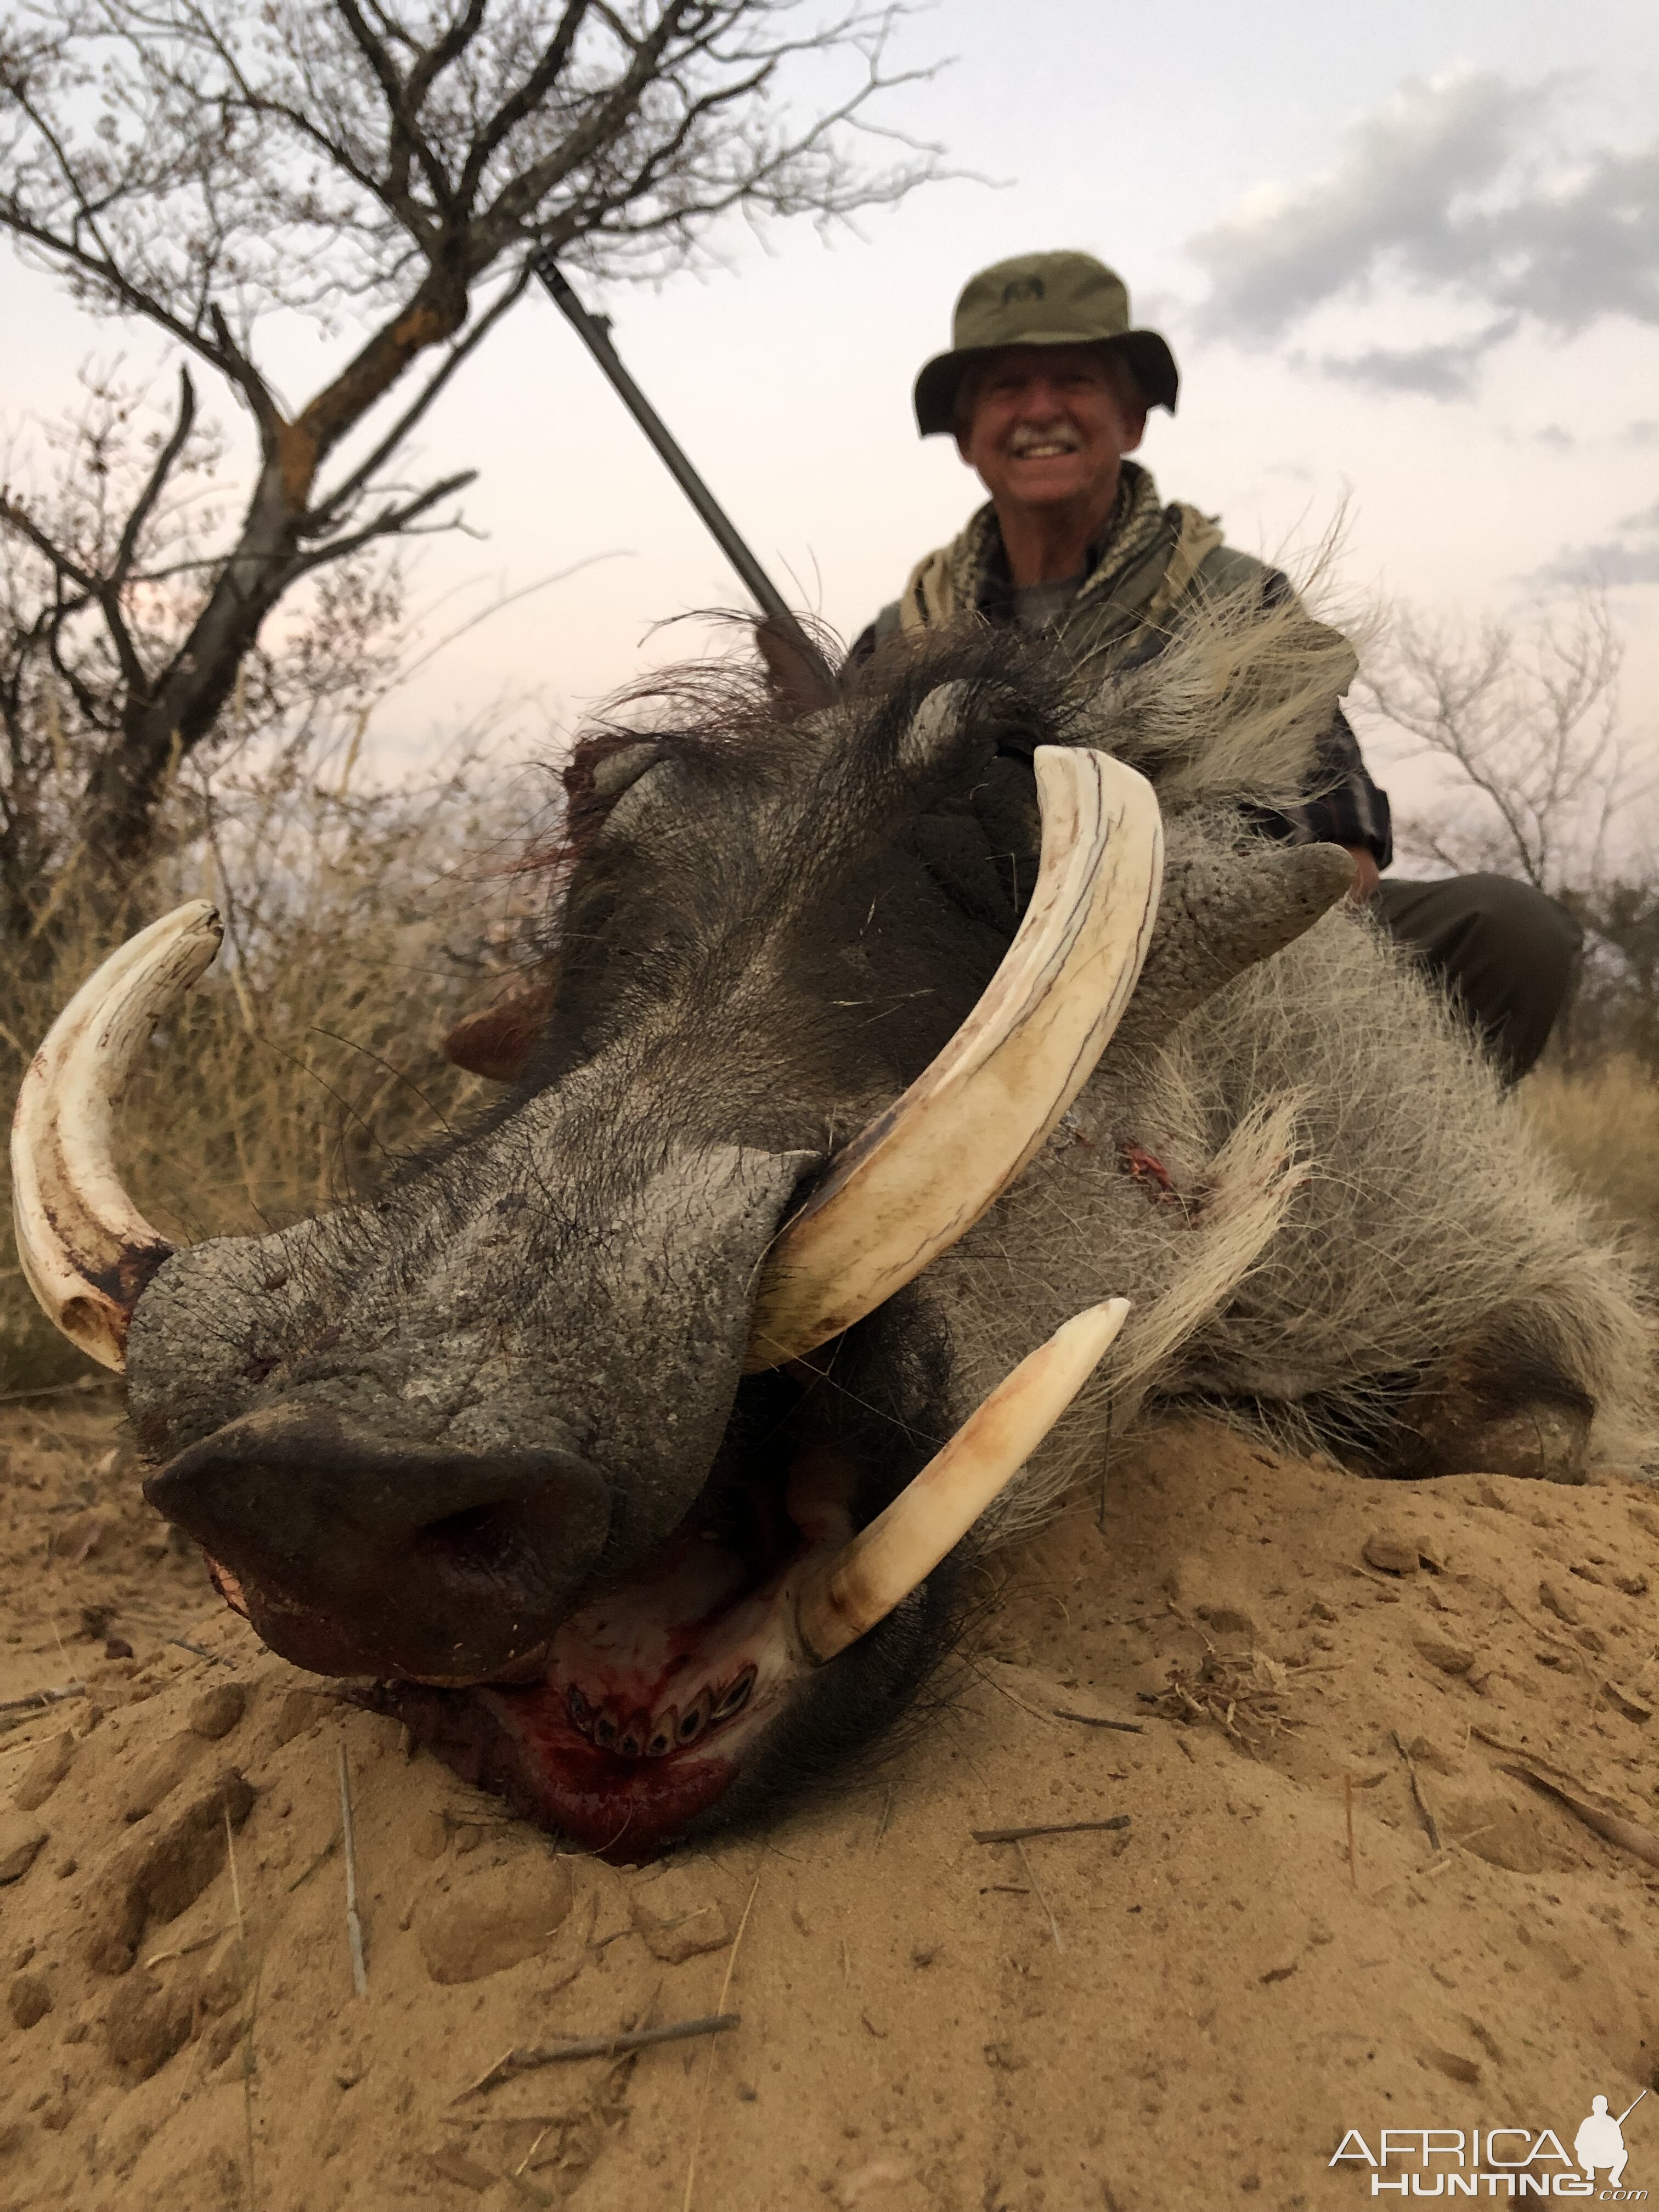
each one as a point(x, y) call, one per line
point(391, 172)
point(346, 493)
point(408, 138)
point(550, 68)
point(18, 518)
point(388, 524)
point(144, 505)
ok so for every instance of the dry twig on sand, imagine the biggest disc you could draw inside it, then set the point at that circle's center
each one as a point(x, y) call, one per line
point(1614, 1826)
point(1041, 1897)
point(184, 1950)
point(721, 2013)
point(1099, 1720)
point(1243, 1692)
point(306, 1873)
point(526, 2058)
point(1593, 1806)
point(38, 1699)
point(1046, 1828)
point(886, 1815)
point(354, 1925)
point(250, 2003)
point(1429, 1824)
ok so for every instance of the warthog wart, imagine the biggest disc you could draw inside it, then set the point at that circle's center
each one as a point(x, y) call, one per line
point(633, 1444)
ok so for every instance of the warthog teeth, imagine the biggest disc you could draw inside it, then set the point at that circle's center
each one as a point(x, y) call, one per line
point(736, 1698)
point(640, 1735)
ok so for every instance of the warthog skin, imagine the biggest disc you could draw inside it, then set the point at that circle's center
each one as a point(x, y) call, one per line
point(486, 1442)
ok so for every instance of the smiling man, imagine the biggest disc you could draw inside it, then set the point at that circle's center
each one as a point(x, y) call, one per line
point(1046, 389)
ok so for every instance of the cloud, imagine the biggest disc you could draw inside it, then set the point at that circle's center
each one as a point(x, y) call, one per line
point(1616, 561)
point(1612, 564)
point(1643, 433)
point(1443, 372)
point(1440, 189)
point(1288, 250)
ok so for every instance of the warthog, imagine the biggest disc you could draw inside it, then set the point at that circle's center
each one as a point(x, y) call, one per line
point(633, 1443)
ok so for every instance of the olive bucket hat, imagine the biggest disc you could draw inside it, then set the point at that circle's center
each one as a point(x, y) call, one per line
point(1042, 299)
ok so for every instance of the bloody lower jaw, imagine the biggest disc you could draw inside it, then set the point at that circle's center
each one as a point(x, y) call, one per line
point(650, 1697)
point(517, 1745)
point(635, 1718)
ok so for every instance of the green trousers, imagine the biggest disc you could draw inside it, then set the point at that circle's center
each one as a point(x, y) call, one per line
point(1503, 951)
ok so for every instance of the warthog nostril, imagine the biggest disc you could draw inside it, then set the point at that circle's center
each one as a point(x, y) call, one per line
point(473, 1541)
point(360, 1553)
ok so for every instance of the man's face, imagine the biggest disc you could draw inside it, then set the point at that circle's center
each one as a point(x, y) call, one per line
point(1049, 426)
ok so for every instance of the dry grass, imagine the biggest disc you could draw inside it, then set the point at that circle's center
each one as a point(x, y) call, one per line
point(359, 925)
point(1245, 1693)
point(1602, 1124)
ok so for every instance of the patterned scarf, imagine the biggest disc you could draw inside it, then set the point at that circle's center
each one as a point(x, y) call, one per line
point(970, 574)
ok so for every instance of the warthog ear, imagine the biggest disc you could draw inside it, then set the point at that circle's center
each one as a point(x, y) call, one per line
point(800, 676)
point(497, 1041)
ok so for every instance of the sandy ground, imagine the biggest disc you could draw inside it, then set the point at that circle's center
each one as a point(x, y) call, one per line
point(1186, 2008)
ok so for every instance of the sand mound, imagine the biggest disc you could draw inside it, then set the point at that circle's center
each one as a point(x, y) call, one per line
point(1185, 2003)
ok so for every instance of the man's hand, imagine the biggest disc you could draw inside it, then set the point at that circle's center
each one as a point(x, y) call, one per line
point(1365, 876)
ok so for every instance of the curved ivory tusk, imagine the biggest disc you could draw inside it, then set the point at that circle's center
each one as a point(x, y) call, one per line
point(884, 1563)
point(920, 1175)
point(87, 1252)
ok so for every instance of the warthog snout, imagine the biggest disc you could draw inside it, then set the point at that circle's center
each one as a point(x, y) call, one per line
point(361, 1555)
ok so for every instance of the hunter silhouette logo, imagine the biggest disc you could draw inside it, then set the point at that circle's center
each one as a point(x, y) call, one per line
point(1515, 2162)
point(1600, 2141)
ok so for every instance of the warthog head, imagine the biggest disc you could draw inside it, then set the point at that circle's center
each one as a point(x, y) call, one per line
point(616, 1442)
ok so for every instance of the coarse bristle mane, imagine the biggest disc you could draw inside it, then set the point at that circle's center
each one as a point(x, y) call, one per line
point(1228, 713)
point(730, 710)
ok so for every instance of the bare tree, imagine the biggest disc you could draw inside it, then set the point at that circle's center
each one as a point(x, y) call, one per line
point(65, 687)
point(1528, 720)
point(1543, 780)
point(393, 171)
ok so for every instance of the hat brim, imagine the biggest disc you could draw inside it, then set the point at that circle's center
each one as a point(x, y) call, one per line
point(1151, 363)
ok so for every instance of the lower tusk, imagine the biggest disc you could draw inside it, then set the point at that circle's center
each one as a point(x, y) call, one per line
point(87, 1252)
point(846, 1598)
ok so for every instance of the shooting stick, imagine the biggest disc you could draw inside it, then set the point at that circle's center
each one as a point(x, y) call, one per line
point(594, 331)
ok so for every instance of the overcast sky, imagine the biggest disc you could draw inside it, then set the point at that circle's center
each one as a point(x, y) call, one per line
point(1407, 255)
